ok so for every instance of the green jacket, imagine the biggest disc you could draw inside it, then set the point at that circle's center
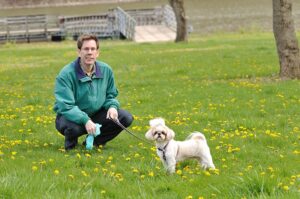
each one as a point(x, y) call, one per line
point(79, 96)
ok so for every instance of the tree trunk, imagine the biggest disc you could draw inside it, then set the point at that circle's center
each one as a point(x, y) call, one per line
point(286, 40)
point(178, 7)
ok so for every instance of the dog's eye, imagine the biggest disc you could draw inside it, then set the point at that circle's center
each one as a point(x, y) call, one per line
point(163, 133)
point(155, 133)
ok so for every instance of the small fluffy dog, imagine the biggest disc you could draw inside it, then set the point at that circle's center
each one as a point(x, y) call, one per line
point(171, 151)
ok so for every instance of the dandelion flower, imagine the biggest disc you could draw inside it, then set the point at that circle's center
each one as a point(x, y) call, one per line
point(286, 188)
point(88, 155)
point(34, 168)
point(179, 172)
point(71, 176)
point(151, 174)
point(56, 171)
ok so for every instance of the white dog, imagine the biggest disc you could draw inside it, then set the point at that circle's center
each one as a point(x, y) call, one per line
point(171, 151)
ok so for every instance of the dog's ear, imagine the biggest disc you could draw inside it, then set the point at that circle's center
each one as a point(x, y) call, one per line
point(170, 134)
point(149, 134)
point(157, 121)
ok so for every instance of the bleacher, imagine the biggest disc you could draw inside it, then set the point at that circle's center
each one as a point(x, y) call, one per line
point(116, 23)
point(26, 28)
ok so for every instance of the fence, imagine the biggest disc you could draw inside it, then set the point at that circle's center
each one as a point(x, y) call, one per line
point(26, 28)
point(116, 23)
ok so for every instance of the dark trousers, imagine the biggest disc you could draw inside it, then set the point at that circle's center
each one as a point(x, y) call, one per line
point(109, 129)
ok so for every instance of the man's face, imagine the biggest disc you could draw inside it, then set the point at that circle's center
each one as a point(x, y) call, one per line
point(88, 52)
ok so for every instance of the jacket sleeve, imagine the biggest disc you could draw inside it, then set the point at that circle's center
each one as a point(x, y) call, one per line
point(65, 101)
point(111, 94)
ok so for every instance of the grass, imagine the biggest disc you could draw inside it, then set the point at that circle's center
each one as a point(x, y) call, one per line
point(225, 86)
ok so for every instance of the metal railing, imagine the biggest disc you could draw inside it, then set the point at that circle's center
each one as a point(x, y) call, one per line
point(115, 23)
point(125, 23)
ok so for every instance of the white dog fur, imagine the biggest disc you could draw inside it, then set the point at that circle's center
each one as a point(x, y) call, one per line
point(171, 151)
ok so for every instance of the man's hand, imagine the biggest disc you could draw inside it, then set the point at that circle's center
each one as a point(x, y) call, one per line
point(112, 113)
point(90, 127)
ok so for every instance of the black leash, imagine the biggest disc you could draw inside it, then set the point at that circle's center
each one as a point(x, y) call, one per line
point(163, 150)
point(117, 122)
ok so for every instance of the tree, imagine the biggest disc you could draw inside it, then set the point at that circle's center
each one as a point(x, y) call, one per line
point(178, 7)
point(286, 40)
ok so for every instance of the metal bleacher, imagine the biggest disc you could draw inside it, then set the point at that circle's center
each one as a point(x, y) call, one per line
point(116, 23)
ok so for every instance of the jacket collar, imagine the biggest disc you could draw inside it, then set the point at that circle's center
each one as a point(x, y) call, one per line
point(80, 73)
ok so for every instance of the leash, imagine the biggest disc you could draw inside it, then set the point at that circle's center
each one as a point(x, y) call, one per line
point(117, 122)
point(163, 150)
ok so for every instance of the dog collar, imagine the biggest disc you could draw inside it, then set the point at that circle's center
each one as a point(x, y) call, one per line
point(163, 150)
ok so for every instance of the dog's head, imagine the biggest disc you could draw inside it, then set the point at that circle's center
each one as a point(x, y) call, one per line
point(158, 131)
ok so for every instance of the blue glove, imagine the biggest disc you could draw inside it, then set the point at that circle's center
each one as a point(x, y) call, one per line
point(90, 138)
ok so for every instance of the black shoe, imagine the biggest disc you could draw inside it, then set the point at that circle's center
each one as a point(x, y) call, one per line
point(70, 143)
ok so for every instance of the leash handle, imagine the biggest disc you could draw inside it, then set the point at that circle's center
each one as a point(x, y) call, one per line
point(124, 128)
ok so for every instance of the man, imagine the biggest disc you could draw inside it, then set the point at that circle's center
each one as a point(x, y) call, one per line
point(85, 94)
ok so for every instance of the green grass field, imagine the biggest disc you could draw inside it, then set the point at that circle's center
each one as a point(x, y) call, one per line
point(224, 85)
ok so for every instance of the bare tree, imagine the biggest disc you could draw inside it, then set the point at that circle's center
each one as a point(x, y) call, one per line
point(178, 7)
point(286, 40)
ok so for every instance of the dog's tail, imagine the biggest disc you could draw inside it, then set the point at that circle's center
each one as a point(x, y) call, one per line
point(196, 136)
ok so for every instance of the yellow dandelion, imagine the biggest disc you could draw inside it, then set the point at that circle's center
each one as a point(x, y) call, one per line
point(78, 155)
point(84, 173)
point(189, 197)
point(71, 176)
point(207, 173)
point(286, 188)
point(96, 170)
point(179, 172)
point(14, 153)
point(103, 192)
point(151, 174)
point(153, 148)
point(56, 171)
point(135, 170)
point(34, 168)
point(271, 169)
point(142, 176)
point(88, 155)
point(215, 171)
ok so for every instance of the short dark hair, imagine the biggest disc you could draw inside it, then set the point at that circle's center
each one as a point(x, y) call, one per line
point(86, 37)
